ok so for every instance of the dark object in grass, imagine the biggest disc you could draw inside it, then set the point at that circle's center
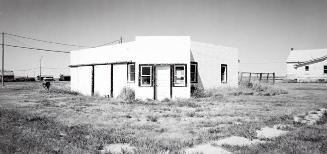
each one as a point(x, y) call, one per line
point(46, 85)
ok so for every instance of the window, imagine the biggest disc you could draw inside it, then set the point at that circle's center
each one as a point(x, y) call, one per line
point(194, 72)
point(306, 68)
point(325, 69)
point(146, 76)
point(179, 76)
point(223, 73)
point(131, 72)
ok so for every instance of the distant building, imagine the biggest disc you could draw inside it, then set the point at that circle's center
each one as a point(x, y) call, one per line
point(8, 76)
point(307, 65)
point(156, 67)
point(64, 77)
point(45, 76)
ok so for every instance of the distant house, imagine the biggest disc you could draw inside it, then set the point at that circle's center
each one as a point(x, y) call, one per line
point(48, 77)
point(156, 67)
point(307, 65)
point(8, 76)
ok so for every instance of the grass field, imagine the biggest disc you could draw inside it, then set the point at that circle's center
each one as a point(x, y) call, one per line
point(60, 121)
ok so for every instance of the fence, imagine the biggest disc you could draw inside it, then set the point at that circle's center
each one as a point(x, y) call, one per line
point(248, 77)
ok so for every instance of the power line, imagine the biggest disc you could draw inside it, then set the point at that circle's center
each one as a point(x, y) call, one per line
point(44, 41)
point(107, 43)
point(31, 48)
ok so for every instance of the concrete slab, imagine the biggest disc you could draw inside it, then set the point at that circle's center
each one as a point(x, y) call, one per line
point(236, 141)
point(268, 132)
point(118, 148)
point(206, 149)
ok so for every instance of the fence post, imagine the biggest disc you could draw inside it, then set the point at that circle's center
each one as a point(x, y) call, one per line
point(250, 78)
point(241, 77)
point(273, 78)
point(267, 77)
point(260, 77)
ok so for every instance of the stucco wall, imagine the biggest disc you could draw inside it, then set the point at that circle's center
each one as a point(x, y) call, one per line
point(315, 72)
point(81, 79)
point(145, 50)
point(102, 80)
point(163, 50)
point(153, 50)
point(209, 58)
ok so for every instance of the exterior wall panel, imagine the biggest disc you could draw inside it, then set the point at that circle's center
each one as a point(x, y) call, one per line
point(119, 78)
point(102, 80)
point(210, 58)
point(81, 79)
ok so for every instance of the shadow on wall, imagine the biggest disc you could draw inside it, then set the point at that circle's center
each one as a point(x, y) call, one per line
point(199, 83)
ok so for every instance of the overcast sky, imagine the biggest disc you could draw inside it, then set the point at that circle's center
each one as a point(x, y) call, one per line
point(263, 30)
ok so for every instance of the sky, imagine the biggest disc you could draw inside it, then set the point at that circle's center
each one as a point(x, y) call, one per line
point(264, 31)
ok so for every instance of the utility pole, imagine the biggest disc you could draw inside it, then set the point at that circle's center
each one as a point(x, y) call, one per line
point(40, 68)
point(3, 59)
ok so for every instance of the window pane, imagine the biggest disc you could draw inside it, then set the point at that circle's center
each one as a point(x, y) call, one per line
point(131, 68)
point(132, 77)
point(146, 70)
point(306, 68)
point(193, 77)
point(179, 76)
point(193, 68)
point(179, 71)
point(146, 80)
point(223, 73)
point(179, 81)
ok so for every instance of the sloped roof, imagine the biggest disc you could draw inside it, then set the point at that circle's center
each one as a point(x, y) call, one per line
point(306, 55)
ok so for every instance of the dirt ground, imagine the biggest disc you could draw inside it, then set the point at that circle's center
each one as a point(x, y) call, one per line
point(154, 126)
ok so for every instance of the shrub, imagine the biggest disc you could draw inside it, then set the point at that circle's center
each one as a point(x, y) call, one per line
point(152, 118)
point(198, 92)
point(262, 89)
point(127, 94)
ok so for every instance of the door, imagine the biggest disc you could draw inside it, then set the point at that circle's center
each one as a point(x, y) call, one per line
point(162, 84)
point(119, 78)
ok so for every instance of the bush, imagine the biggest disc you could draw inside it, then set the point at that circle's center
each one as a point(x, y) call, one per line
point(127, 94)
point(262, 89)
point(198, 92)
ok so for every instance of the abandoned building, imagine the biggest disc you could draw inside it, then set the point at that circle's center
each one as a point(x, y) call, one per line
point(307, 65)
point(156, 67)
point(8, 75)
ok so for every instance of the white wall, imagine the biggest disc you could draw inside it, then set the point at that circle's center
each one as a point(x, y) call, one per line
point(315, 72)
point(153, 50)
point(209, 58)
point(81, 79)
point(119, 78)
point(102, 80)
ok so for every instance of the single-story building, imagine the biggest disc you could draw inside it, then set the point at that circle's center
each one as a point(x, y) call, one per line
point(307, 65)
point(8, 76)
point(156, 67)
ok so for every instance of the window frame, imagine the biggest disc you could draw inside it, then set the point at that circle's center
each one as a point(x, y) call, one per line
point(305, 68)
point(195, 73)
point(221, 79)
point(151, 75)
point(325, 69)
point(185, 75)
point(129, 72)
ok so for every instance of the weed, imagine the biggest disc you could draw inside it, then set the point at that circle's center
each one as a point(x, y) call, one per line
point(127, 94)
point(152, 118)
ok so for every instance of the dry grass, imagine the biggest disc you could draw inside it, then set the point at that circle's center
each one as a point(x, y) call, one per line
point(39, 120)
